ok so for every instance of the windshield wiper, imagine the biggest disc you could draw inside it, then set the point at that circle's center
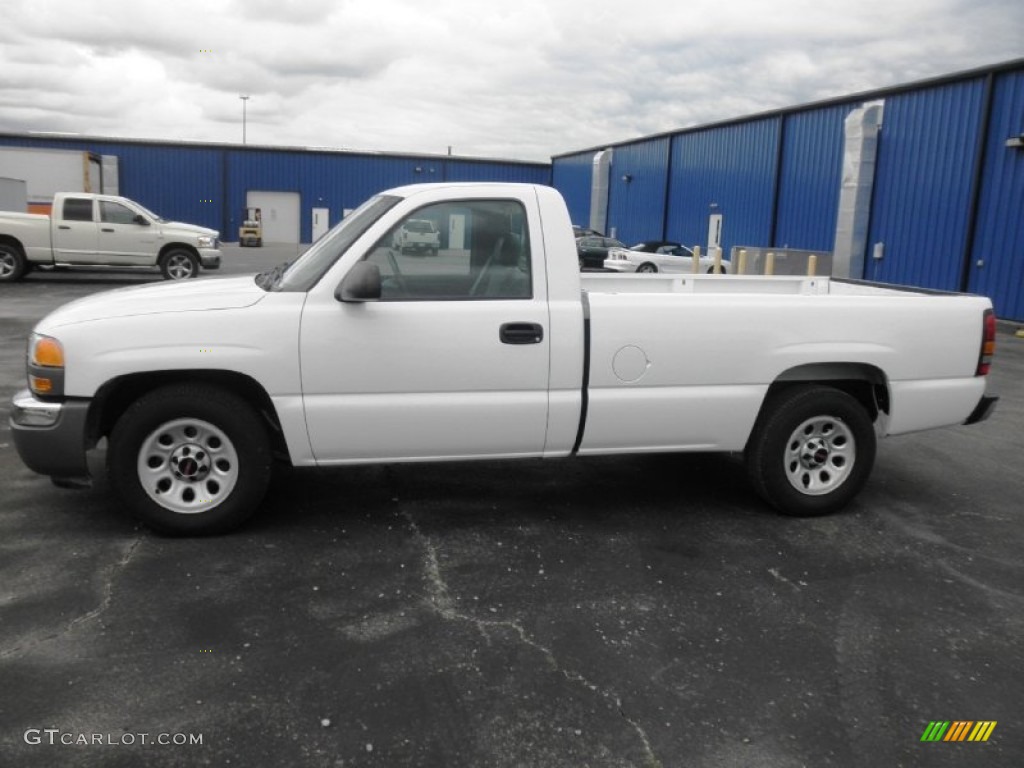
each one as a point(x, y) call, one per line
point(270, 277)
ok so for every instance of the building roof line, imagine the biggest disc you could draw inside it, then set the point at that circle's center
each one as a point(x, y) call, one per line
point(861, 96)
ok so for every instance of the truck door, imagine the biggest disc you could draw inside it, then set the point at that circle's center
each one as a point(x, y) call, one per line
point(122, 239)
point(452, 361)
point(74, 232)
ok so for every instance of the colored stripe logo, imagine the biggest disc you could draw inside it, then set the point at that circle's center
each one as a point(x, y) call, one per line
point(958, 730)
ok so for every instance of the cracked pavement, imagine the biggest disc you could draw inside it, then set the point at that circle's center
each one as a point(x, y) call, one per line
point(645, 611)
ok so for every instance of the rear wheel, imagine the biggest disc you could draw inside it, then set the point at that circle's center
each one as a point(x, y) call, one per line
point(812, 450)
point(12, 264)
point(647, 267)
point(190, 459)
point(179, 264)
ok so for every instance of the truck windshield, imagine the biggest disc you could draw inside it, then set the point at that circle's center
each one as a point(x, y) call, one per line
point(304, 273)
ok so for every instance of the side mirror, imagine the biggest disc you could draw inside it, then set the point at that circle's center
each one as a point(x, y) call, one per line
point(362, 283)
point(140, 219)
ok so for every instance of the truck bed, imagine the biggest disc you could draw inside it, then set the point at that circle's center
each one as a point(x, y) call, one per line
point(694, 355)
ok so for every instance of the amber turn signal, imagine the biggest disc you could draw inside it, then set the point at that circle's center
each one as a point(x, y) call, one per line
point(40, 385)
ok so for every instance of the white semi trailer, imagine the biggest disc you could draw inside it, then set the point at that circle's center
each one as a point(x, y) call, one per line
point(49, 171)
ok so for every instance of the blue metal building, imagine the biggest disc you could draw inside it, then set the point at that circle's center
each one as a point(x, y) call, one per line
point(947, 190)
point(208, 184)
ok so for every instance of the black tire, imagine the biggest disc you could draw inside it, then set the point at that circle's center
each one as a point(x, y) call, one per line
point(190, 460)
point(811, 451)
point(259, 242)
point(647, 267)
point(12, 264)
point(434, 251)
point(179, 264)
point(711, 271)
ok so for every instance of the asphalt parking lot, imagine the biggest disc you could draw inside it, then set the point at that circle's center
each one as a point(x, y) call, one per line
point(642, 611)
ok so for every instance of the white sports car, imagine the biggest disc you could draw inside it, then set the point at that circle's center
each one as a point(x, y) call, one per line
point(666, 259)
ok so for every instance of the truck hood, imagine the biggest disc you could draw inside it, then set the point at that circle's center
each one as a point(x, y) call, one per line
point(185, 296)
point(194, 229)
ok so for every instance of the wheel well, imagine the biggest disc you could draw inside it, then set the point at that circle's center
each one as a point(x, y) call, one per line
point(177, 247)
point(865, 383)
point(650, 264)
point(13, 242)
point(114, 397)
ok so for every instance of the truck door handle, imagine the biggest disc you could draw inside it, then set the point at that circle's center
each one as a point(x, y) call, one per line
point(521, 333)
point(108, 229)
point(63, 226)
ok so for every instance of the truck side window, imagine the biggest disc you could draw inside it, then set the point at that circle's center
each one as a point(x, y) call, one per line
point(472, 249)
point(115, 213)
point(77, 209)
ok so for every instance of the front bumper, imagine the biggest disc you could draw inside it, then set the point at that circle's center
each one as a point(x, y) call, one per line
point(50, 436)
point(209, 258)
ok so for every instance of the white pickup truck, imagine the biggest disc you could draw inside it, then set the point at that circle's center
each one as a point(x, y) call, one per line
point(417, 236)
point(356, 353)
point(87, 230)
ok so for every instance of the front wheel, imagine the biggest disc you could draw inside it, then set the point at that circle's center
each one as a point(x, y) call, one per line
point(648, 268)
point(190, 459)
point(812, 450)
point(12, 264)
point(179, 264)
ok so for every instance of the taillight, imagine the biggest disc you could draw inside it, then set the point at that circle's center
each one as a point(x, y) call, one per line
point(988, 343)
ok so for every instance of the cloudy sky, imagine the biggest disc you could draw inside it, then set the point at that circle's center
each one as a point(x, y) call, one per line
point(525, 79)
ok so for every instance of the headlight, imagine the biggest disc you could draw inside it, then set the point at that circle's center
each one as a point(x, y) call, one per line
point(45, 365)
point(45, 351)
point(205, 241)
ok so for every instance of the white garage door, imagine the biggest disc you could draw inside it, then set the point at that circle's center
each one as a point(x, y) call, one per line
point(280, 212)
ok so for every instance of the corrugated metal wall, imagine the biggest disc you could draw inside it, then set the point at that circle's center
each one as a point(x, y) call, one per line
point(728, 170)
point(999, 235)
point(811, 173)
point(572, 176)
point(922, 192)
point(207, 184)
point(636, 190)
point(776, 179)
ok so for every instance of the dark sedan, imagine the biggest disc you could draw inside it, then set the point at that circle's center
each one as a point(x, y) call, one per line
point(594, 250)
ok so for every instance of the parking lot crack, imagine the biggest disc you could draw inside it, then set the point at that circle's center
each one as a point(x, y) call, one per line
point(112, 572)
point(440, 601)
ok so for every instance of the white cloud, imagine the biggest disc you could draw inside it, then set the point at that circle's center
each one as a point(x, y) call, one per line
point(523, 80)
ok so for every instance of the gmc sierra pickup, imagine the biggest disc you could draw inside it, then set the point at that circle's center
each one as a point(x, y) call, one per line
point(357, 353)
point(88, 230)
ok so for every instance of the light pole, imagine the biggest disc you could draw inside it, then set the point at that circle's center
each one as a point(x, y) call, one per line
point(244, 99)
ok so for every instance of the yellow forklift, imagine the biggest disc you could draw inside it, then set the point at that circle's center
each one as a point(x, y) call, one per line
point(251, 231)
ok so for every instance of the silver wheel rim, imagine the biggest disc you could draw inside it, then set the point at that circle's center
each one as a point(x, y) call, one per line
point(188, 466)
point(179, 266)
point(7, 265)
point(820, 455)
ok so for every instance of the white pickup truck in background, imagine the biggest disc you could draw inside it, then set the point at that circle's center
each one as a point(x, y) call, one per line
point(356, 353)
point(87, 230)
point(418, 236)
